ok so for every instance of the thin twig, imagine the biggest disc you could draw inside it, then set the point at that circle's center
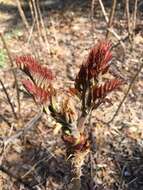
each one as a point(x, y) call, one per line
point(92, 18)
point(126, 37)
point(47, 158)
point(13, 71)
point(103, 11)
point(117, 36)
point(92, 147)
point(126, 94)
point(5, 120)
point(135, 15)
point(43, 25)
point(109, 22)
point(31, 9)
point(31, 32)
point(27, 128)
point(128, 19)
point(114, 2)
point(123, 39)
point(8, 98)
point(23, 17)
point(37, 20)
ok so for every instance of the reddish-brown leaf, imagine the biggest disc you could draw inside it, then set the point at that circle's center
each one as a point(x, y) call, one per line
point(103, 90)
point(41, 75)
point(40, 95)
point(72, 91)
point(99, 58)
point(96, 63)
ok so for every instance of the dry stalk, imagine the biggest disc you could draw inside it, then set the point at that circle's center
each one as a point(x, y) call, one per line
point(5, 120)
point(128, 20)
point(103, 11)
point(13, 71)
point(31, 32)
point(43, 25)
point(110, 21)
point(23, 17)
point(92, 18)
point(126, 94)
point(8, 99)
point(117, 36)
point(31, 9)
point(135, 15)
point(37, 20)
point(123, 39)
point(112, 13)
point(92, 8)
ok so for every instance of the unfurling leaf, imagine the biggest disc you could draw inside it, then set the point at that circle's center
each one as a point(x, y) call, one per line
point(40, 95)
point(103, 90)
point(98, 59)
point(96, 63)
point(39, 74)
point(68, 110)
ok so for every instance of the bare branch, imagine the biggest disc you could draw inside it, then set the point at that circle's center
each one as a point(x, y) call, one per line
point(114, 2)
point(5, 120)
point(126, 94)
point(109, 21)
point(13, 71)
point(23, 17)
point(37, 20)
point(117, 36)
point(135, 15)
point(8, 98)
point(103, 11)
point(43, 26)
point(128, 19)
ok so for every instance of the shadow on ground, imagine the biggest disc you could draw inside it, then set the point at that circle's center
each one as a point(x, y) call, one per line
point(37, 167)
point(48, 7)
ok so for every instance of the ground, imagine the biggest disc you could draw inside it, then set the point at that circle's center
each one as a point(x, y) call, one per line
point(38, 156)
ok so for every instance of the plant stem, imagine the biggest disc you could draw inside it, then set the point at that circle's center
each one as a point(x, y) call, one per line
point(23, 17)
point(114, 2)
point(8, 98)
point(14, 73)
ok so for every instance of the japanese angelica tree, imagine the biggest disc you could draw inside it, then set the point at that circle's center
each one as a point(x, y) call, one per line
point(89, 90)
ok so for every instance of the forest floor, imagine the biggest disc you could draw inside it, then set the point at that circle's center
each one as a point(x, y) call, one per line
point(38, 156)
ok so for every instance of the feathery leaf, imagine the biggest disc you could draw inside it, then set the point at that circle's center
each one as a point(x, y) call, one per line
point(103, 90)
point(40, 95)
point(39, 74)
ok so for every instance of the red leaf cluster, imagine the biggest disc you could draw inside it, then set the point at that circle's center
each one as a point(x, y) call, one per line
point(103, 90)
point(97, 62)
point(30, 66)
point(98, 59)
point(39, 86)
point(41, 96)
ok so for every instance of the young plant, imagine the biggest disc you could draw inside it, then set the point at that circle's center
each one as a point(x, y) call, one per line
point(89, 89)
